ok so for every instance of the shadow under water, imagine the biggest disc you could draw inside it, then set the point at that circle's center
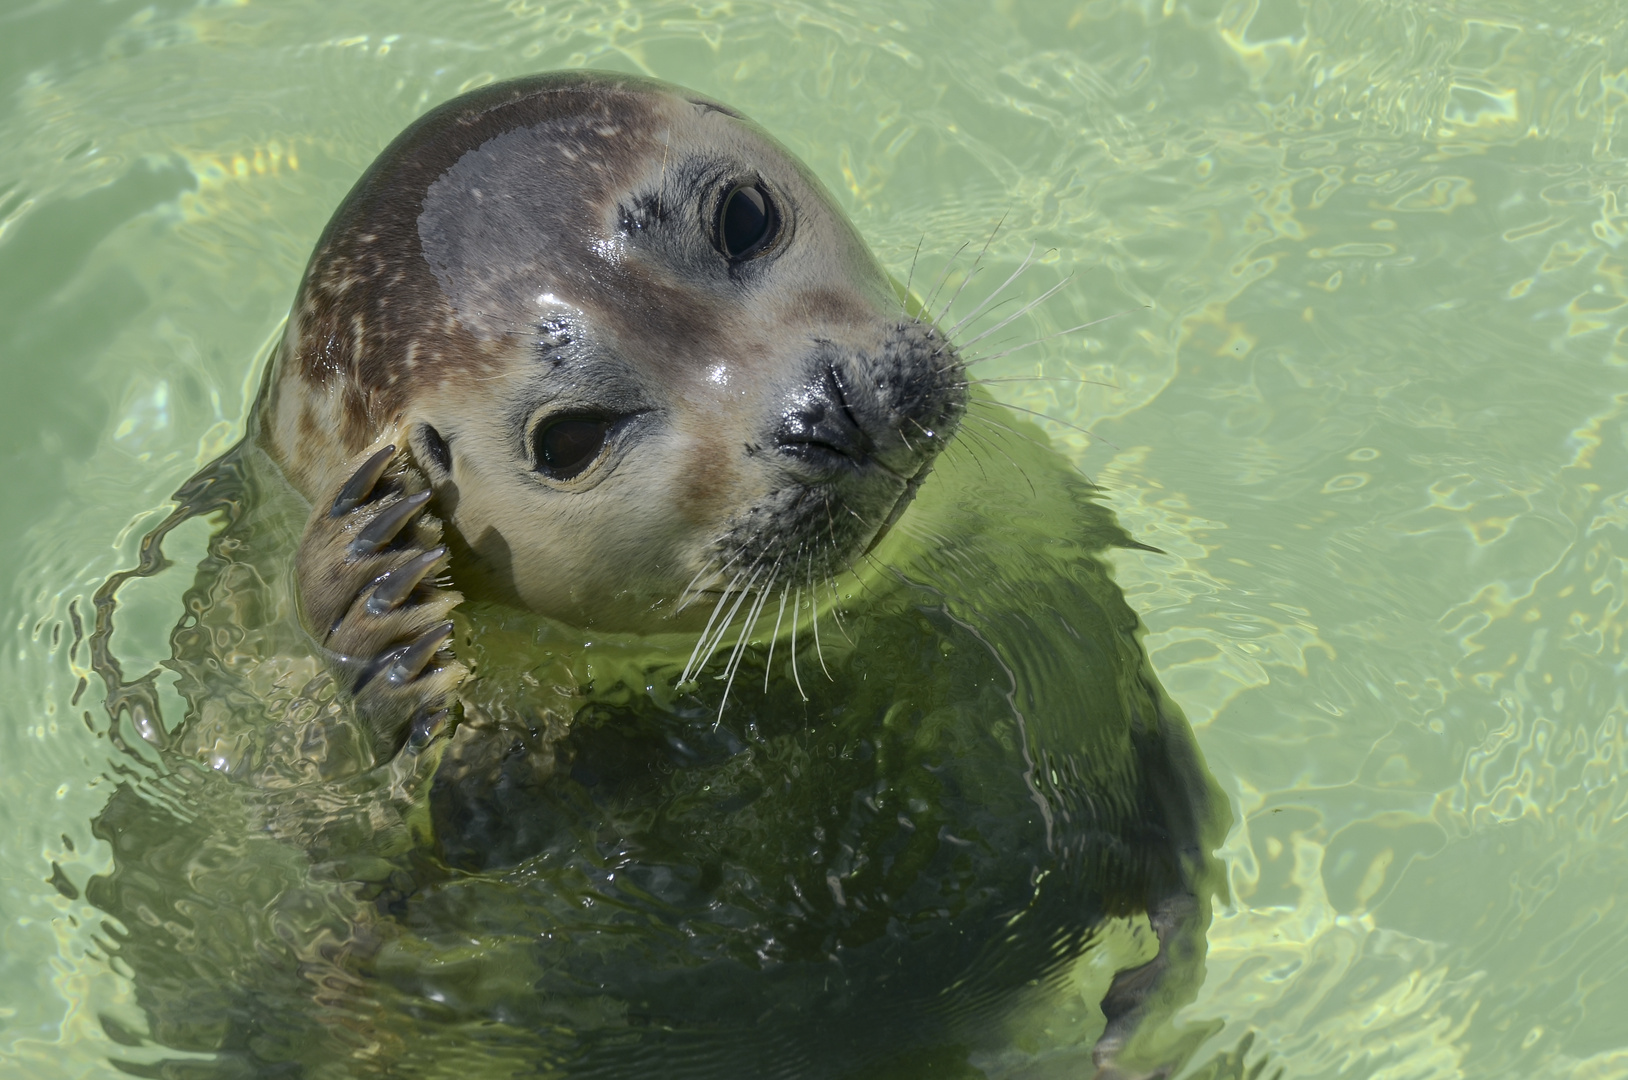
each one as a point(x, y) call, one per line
point(893, 840)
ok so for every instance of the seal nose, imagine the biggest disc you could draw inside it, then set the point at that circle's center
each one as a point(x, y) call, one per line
point(819, 428)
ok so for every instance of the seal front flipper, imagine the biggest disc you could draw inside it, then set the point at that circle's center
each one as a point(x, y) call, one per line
point(367, 572)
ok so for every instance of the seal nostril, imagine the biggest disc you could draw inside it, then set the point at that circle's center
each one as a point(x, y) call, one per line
point(834, 380)
point(820, 428)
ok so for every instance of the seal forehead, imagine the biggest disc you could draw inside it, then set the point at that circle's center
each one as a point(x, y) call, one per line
point(372, 326)
point(604, 209)
point(523, 211)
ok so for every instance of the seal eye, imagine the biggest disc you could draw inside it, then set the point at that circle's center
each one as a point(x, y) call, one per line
point(747, 222)
point(567, 446)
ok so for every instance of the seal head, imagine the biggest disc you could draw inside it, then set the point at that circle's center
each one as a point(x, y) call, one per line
point(634, 345)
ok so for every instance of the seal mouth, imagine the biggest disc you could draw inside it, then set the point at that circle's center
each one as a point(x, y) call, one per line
point(900, 505)
point(824, 456)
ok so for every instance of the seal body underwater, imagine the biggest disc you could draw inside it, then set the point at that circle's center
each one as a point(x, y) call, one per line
point(593, 357)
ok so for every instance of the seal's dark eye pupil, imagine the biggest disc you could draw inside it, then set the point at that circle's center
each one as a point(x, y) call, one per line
point(566, 447)
point(746, 223)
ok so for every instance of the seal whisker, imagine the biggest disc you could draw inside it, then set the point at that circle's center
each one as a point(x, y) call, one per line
point(814, 614)
point(1010, 298)
point(905, 439)
point(855, 514)
point(752, 613)
point(974, 449)
point(1020, 312)
point(831, 580)
point(866, 554)
point(1046, 416)
point(1014, 431)
point(830, 528)
point(1009, 430)
point(796, 605)
point(904, 305)
point(723, 627)
point(973, 271)
point(768, 664)
point(685, 599)
point(690, 665)
point(1013, 461)
point(981, 308)
point(1005, 341)
point(740, 650)
point(982, 443)
point(976, 268)
point(938, 283)
point(836, 608)
point(871, 558)
point(685, 596)
point(715, 575)
point(1050, 337)
point(723, 701)
point(982, 381)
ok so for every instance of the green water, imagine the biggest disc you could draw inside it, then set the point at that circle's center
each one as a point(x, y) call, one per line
point(1366, 393)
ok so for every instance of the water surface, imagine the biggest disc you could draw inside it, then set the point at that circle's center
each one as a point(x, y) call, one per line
point(1364, 387)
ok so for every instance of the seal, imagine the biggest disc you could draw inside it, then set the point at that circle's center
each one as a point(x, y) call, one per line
point(633, 347)
point(587, 375)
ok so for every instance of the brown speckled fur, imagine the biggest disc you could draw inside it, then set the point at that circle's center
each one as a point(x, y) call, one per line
point(371, 327)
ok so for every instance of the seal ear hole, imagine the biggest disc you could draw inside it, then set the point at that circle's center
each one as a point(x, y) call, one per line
point(747, 222)
point(434, 449)
point(564, 447)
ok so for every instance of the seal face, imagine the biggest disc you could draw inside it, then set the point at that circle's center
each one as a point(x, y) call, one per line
point(634, 346)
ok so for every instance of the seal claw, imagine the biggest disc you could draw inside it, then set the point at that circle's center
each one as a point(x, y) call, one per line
point(369, 596)
point(427, 727)
point(412, 658)
point(392, 588)
point(360, 485)
point(383, 529)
